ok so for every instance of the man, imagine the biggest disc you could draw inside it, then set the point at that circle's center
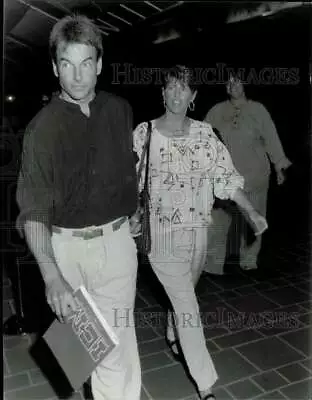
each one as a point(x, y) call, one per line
point(76, 189)
point(250, 135)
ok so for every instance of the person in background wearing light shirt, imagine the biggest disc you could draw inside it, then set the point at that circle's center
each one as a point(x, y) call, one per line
point(250, 136)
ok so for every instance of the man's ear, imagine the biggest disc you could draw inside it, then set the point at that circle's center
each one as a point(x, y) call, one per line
point(99, 66)
point(55, 70)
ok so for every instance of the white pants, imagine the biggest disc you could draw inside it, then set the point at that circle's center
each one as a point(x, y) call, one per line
point(109, 275)
point(177, 258)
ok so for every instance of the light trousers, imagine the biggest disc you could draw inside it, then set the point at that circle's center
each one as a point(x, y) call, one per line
point(177, 258)
point(107, 266)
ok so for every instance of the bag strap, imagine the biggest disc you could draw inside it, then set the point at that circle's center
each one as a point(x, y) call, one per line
point(147, 155)
point(146, 152)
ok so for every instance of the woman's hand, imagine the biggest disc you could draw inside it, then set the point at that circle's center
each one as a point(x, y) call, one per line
point(259, 223)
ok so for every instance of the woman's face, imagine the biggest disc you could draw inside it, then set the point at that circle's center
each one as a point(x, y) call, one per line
point(177, 96)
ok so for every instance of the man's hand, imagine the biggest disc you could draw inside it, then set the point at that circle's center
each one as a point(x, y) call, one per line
point(280, 170)
point(259, 223)
point(280, 176)
point(60, 298)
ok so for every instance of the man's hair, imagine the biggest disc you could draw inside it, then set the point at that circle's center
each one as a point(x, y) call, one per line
point(235, 77)
point(75, 29)
point(180, 73)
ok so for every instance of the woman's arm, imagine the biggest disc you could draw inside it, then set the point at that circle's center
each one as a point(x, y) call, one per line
point(229, 185)
point(258, 222)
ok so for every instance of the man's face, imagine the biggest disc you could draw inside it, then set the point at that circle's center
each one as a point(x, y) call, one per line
point(77, 68)
point(235, 88)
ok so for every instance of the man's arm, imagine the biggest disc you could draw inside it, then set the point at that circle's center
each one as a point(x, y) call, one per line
point(38, 238)
point(272, 143)
point(35, 197)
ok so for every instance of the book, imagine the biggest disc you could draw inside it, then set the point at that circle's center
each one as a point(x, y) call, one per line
point(83, 342)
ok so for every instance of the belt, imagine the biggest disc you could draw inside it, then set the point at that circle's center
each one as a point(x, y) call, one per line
point(91, 233)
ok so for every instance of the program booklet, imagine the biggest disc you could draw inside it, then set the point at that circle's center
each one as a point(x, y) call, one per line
point(81, 343)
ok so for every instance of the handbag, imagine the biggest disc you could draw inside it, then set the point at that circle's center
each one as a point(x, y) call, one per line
point(143, 240)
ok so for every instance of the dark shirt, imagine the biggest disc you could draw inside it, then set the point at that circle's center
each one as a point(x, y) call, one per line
point(76, 170)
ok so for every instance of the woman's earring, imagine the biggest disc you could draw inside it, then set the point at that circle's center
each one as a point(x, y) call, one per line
point(191, 105)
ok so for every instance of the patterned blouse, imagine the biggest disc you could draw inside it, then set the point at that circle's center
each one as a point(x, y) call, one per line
point(186, 173)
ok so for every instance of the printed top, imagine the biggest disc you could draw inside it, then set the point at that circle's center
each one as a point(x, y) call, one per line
point(186, 173)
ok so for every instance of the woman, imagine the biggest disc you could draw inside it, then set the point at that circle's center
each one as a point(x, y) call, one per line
point(188, 167)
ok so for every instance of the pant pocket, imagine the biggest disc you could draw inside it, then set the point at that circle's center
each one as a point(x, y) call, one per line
point(94, 263)
point(66, 256)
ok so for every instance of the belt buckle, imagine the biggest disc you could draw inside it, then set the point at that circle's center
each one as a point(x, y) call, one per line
point(87, 235)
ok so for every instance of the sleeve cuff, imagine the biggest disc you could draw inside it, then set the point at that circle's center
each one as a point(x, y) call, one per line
point(227, 190)
point(31, 215)
point(282, 163)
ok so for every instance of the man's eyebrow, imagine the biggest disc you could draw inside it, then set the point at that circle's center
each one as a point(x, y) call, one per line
point(87, 59)
point(65, 59)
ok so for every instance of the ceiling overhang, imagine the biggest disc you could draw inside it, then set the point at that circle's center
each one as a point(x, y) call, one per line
point(129, 28)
